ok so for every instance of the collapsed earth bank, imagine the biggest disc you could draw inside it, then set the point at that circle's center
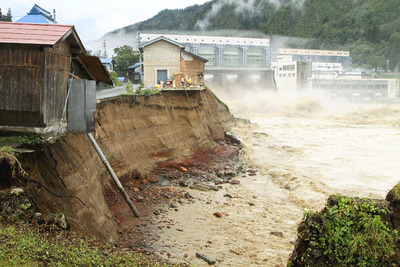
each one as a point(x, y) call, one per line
point(136, 134)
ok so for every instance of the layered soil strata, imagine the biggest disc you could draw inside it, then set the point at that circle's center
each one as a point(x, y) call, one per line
point(137, 135)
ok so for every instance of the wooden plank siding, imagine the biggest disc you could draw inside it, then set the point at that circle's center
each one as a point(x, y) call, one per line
point(33, 84)
point(192, 68)
point(57, 69)
point(21, 80)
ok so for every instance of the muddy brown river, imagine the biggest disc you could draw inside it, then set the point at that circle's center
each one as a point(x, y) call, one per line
point(304, 151)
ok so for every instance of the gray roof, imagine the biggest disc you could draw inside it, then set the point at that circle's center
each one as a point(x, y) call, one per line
point(161, 38)
point(134, 66)
point(197, 56)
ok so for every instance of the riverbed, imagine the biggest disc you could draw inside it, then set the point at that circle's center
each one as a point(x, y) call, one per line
point(304, 151)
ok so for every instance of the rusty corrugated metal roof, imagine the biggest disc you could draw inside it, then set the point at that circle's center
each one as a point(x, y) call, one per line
point(38, 34)
point(95, 68)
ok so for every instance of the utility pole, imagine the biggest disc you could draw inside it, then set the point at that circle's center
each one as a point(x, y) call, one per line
point(54, 16)
point(105, 49)
point(140, 60)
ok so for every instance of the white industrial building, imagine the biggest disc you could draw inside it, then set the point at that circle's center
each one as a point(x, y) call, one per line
point(328, 79)
point(222, 51)
point(355, 89)
point(246, 59)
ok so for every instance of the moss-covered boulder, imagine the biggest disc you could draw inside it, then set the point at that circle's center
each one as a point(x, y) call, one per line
point(394, 195)
point(347, 232)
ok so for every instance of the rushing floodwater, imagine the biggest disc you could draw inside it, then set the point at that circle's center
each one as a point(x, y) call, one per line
point(350, 148)
point(305, 151)
point(335, 157)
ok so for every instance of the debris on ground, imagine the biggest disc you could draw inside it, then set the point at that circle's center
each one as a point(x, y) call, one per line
point(218, 214)
point(209, 260)
point(167, 188)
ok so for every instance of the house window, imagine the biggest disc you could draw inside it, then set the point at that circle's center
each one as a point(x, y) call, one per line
point(288, 67)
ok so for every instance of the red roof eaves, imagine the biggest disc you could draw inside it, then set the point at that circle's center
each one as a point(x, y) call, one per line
point(39, 34)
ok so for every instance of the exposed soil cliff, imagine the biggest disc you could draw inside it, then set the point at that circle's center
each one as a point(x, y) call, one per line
point(166, 127)
point(136, 135)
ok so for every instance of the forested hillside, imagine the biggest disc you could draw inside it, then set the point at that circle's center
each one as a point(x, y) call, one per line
point(370, 29)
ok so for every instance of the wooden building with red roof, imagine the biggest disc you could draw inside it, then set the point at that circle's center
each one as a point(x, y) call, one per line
point(35, 66)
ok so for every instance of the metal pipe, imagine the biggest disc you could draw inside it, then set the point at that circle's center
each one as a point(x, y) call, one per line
point(114, 176)
point(66, 102)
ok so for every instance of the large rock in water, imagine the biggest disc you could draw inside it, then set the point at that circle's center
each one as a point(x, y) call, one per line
point(350, 232)
point(393, 197)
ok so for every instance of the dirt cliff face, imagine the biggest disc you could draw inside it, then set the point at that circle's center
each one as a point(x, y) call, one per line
point(65, 177)
point(167, 127)
point(68, 176)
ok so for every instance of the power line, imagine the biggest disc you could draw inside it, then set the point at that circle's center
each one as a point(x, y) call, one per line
point(67, 21)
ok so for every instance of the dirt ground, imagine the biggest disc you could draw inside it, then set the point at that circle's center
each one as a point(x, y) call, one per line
point(231, 226)
point(203, 204)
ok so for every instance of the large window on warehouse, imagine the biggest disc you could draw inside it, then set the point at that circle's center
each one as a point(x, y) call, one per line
point(231, 57)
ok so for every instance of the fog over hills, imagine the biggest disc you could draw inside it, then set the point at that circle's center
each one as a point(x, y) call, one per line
point(370, 29)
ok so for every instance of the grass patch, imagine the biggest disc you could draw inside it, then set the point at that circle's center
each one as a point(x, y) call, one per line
point(348, 232)
point(7, 149)
point(27, 248)
point(219, 100)
point(146, 92)
point(23, 139)
point(9, 142)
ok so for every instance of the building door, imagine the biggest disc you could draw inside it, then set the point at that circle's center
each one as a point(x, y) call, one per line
point(162, 76)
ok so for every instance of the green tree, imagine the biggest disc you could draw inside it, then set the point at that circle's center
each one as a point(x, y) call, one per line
point(361, 53)
point(114, 78)
point(393, 50)
point(8, 16)
point(125, 56)
point(129, 87)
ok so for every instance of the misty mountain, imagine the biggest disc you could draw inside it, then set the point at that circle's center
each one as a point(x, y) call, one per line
point(370, 29)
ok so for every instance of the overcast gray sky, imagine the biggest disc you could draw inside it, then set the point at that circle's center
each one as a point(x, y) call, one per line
point(95, 18)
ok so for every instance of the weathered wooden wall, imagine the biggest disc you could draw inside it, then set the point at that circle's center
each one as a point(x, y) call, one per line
point(57, 69)
point(33, 84)
point(21, 79)
point(192, 68)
